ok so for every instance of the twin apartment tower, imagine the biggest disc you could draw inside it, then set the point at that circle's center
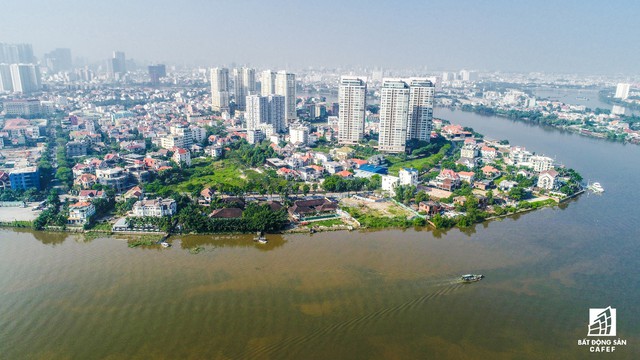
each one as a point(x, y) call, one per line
point(274, 106)
point(406, 105)
point(406, 111)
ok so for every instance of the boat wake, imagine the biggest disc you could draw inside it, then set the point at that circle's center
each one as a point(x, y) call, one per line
point(336, 330)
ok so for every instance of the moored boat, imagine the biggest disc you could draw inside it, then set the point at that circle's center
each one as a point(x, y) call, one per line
point(596, 187)
point(260, 238)
point(469, 278)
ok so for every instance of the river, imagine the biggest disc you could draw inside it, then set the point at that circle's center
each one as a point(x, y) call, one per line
point(587, 97)
point(388, 294)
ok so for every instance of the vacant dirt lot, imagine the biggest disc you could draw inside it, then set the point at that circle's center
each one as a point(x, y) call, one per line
point(8, 214)
point(386, 208)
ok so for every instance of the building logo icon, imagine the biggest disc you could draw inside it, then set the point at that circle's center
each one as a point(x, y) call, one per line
point(602, 322)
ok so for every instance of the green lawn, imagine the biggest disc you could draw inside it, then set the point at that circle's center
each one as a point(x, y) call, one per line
point(217, 172)
point(327, 223)
point(421, 164)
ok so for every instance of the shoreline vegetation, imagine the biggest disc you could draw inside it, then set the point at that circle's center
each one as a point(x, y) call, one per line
point(585, 128)
point(136, 239)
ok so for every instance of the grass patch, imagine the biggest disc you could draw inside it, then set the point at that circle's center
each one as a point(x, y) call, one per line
point(196, 250)
point(323, 149)
point(327, 223)
point(377, 222)
point(144, 240)
point(141, 242)
point(102, 227)
point(421, 164)
point(17, 224)
point(217, 172)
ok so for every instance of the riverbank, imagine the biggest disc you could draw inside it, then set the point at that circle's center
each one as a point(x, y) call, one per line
point(611, 132)
point(357, 215)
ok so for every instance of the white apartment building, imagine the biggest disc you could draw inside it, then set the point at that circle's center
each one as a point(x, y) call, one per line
point(299, 134)
point(286, 86)
point(394, 115)
point(421, 96)
point(220, 89)
point(519, 155)
point(408, 177)
point(255, 136)
point(267, 83)
point(25, 78)
point(406, 112)
point(622, 91)
point(182, 156)
point(114, 177)
point(541, 163)
point(352, 101)
point(198, 134)
point(244, 84)
point(389, 183)
point(268, 110)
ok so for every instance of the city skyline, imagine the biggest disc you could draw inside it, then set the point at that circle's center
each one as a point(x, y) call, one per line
point(490, 36)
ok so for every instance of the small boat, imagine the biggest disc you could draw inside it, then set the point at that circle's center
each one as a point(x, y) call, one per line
point(165, 244)
point(260, 238)
point(596, 187)
point(469, 278)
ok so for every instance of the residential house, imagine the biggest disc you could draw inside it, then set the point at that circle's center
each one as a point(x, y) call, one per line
point(311, 173)
point(548, 179)
point(541, 163)
point(135, 192)
point(467, 176)
point(321, 158)
point(356, 163)
point(206, 196)
point(430, 207)
point(273, 205)
point(507, 185)
point(116, 178)
point(490, 172)
point(233, 201)
point(85, 181)
point(343, 153)
point(182, 156)
point(313, 207)
point(483, 184)
point(447, 180)
point(389, 183)
point(455, 133)
point(468, 162)
point(345, 174)
point(488, 153)
point(80, 213)
point(76, 149)
point(287, 173)
point(214, 151)
point(155, 208)
point(408, 176)
point(89, 195)
point(333, 167)
point(226, 213)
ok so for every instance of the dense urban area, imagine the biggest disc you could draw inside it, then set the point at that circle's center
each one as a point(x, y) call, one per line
point(118, 147)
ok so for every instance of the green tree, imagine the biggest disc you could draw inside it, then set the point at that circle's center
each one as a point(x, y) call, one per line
point(516, 193)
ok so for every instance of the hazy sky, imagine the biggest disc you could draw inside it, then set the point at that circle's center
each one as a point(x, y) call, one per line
point(554, 36)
